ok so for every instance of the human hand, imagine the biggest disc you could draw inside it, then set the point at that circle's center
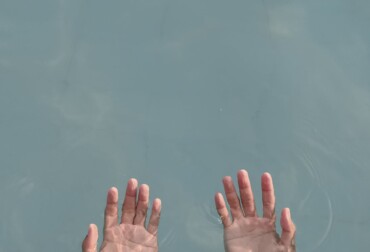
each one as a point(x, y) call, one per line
point(247, 232)
point(130, 234)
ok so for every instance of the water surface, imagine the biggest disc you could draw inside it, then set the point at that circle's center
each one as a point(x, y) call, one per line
point(179, 94)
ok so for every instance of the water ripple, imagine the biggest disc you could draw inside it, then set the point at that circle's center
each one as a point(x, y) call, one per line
point(310, 164)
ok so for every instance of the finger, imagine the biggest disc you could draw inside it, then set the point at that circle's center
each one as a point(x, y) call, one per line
point(222, 210)
point(142, 205)
point(90, 242)
point(155, 217)
point(129, 203)
point(268, 196)
point(232, 198)
point(288, 228)
point(111, 209)
point(246, 194)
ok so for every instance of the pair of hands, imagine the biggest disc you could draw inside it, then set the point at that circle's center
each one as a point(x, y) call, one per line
point(244, 231)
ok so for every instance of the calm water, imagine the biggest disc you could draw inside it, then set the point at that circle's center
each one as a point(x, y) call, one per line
point(179, 94)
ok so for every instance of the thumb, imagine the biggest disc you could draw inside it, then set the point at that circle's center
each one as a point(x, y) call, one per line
point(288, 228)
point(90, 242)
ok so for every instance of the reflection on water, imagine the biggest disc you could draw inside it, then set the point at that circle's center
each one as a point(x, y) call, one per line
point(179, 94)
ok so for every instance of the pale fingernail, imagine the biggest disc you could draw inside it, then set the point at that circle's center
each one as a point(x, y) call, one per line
point(288, 214)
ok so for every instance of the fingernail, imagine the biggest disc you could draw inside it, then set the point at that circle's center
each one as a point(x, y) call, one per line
point(288, 214)
point(91, 227)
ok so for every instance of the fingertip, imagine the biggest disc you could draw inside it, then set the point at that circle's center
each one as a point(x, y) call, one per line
point(219, 200)
point(217, 195)
point(132, 182)
point(266, 181)
point(144, 187)
point(266, 175)
point(228, 184)
point(144, 192)
point(226, 179)
point(158, 201)
point(131, 188)
point(157, 204)
point(243, 179)
point(112, 195)
point(286, 220)
point(113, 189)
point(242, 172)
point(93, 229)
point(287, 213)
point(89, 230)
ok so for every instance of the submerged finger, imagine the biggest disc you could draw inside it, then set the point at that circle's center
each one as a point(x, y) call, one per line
point(288, 228)
point(111, 209)
point(222, 210)
point(268, 196)
point(90, 242)
point(246, 194)
point(129, 203)
point(155, 217)
point(142, 205)
point(232, 197)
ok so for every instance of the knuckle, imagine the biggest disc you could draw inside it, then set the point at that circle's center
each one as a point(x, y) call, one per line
point(141, 211)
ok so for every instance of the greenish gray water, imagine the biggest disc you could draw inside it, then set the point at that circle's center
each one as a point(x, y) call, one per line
point(179, 94)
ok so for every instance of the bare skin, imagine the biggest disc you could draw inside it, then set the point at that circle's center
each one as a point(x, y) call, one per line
point(245, 231)
point(129, 234)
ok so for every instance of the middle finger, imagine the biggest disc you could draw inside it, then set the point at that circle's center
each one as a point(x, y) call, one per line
point(142, 205)
point(246, 194)
point(129, 203)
